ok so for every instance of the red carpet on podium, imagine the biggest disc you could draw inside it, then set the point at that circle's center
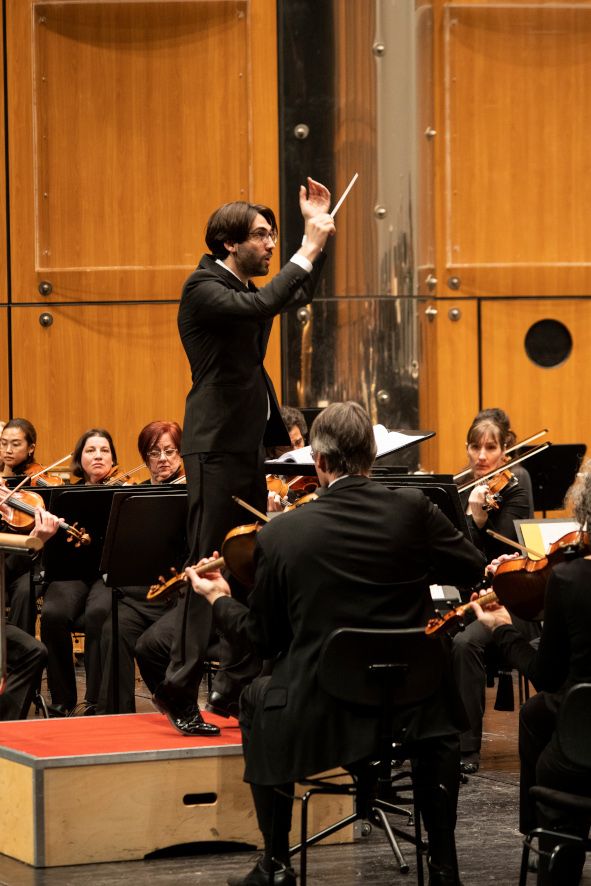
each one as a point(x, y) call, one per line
point(111, 734)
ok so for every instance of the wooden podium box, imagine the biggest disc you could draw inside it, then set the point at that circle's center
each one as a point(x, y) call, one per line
point(117, 788)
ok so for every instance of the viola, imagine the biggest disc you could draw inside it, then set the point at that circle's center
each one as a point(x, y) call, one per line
point(18, 512)
point(520, 584)
point(237, 556)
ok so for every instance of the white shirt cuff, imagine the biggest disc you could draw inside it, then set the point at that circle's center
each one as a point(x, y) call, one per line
point(302, 261)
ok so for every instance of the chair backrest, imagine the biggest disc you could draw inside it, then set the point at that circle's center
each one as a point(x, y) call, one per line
point(357, 664)
point(574, 725)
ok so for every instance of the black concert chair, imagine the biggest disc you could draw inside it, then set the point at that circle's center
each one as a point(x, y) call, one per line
point(573, 730)
point(385, 670)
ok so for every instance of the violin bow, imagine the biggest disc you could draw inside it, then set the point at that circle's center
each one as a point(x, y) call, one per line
point(50, 467)
point(515, 544)
point(506, 467)
point(250, 508)
point(515, 446)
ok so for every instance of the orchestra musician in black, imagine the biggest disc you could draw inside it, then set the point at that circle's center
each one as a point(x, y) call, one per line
point(331, 563)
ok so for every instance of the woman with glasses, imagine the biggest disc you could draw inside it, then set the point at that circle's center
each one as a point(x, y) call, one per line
point(159, 444)
point(17, 447)
point(94, 460)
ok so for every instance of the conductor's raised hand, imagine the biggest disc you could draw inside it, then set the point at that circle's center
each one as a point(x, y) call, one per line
point(314, 201)
point(210, 585)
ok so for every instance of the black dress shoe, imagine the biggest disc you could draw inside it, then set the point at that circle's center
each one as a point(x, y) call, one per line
point(470, 764)
point(222, 705)
point(190, 722)
point(282, 876)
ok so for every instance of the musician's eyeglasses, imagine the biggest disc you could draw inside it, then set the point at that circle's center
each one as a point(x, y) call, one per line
point(264, 236)
point(157, 454)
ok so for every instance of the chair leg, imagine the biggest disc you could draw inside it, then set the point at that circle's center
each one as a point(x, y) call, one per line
point(402, 863)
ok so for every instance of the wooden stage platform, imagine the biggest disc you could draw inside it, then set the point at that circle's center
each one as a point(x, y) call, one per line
point(115, 788)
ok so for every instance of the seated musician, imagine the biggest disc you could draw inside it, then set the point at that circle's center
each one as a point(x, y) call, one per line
point(93, 461)
point(17, 451)
point(562, 660)
point(488, 438)
point(25, 656)
point(297, 428)
point(328, 564)
point(159, 444)
point(17, 447)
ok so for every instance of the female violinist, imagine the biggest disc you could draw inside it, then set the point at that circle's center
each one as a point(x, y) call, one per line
point(159, 444)
point(562, 660)
point(65, 602)
point(94, 458)
point(488, 438)
point(17, 447)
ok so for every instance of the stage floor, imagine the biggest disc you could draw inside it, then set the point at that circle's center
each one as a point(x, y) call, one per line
point(489, 845)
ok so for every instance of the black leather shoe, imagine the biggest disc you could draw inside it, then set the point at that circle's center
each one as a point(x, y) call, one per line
point(283, 876)
point(470, 764)
point(188, 723)
point(222, 705)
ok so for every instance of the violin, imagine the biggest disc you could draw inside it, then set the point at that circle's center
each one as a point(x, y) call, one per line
point(18, 512)
point(291, 490)
point(520, 584)
point(495, 486)
point(115, 479)
point(237, 556)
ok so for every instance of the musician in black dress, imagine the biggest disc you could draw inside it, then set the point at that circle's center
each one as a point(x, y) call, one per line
point(159, 444)
point(65, 602)
point(562, 660)
point(25, 656)
point(488, 438)
point(17, 453)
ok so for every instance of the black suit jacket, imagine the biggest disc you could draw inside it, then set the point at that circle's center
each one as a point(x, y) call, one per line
point(335, 562)
point(225, 327)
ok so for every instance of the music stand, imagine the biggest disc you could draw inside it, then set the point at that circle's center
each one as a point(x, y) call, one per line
point(552, 472)
point(145, 537)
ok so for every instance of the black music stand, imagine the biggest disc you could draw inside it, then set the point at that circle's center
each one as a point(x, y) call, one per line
point(145, 537)
point(552, 472)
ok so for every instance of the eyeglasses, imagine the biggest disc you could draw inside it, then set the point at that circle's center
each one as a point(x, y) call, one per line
point(157, 454)
point(264, 236)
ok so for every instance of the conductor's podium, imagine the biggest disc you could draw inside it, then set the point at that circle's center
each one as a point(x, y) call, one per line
point(117, 788)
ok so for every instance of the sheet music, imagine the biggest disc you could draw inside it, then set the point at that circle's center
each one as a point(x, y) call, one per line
point(386, 442)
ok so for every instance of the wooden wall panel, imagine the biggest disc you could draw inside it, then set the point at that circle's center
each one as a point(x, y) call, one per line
point(448, 392)
point(3, 240)
point(513, 147)
point(4, 352)
point(537, 397)
point(144, 114)
point(113, 366)
point(129, 122)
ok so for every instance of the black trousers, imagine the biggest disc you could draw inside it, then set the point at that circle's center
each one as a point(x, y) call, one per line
point(212, 479)
point(543, 763)
point(65, 602)
point(135, 615)
point(25, 659)
point(468, 650)
point(435, 762)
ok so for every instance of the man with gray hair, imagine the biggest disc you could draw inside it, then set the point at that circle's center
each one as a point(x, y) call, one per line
point(333, 563)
